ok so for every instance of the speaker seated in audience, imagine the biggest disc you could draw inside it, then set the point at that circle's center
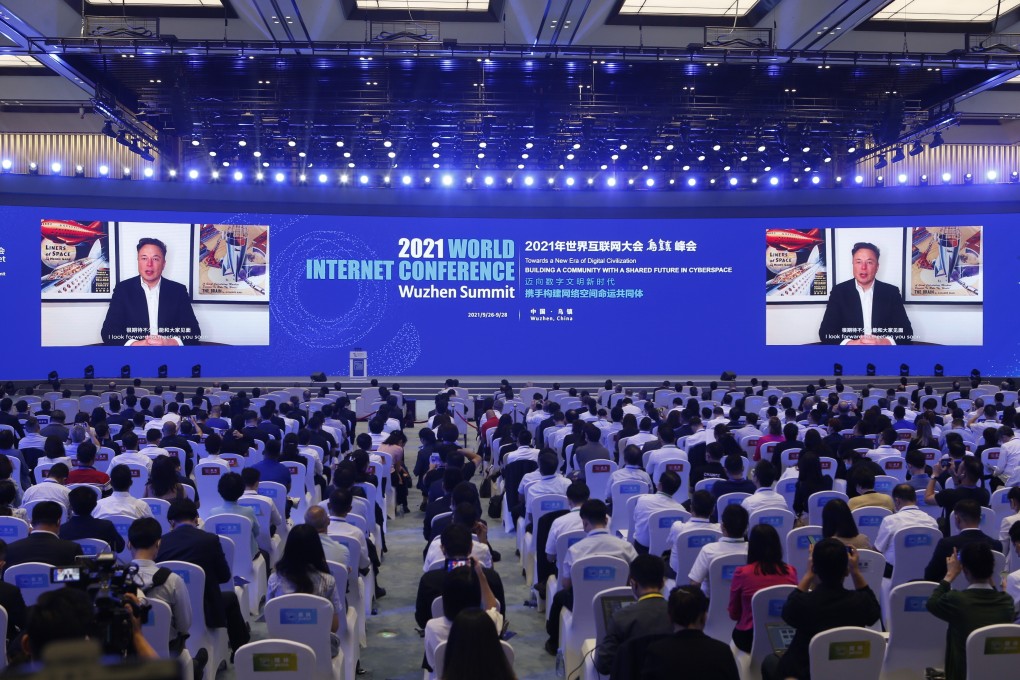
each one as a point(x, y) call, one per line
point(764, 568)
point(11, 600)
point(121, 502)
point(734, 526)
point(44, 544)
point(646, 504)
point(456, 544)
point(968, 522)
point(160, 583)
point(594, 520)
point(9, 500)
point(51, 488)
point(231, 488)
point(473, 648)
point(463, 588)
point(648, 616)
point(838, 522)
point(466, 515)
point(821, 603)
point(187, 543)
point(302, 569)
point(81, 523)
point(688, 653)
point(979, 605)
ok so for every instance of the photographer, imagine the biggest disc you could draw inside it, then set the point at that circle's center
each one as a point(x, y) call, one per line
point(158, 583)
point(68, 614)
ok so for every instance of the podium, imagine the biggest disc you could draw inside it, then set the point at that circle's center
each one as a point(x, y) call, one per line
point(359, 364)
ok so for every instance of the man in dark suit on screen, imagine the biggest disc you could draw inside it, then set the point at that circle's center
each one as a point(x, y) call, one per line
point(864, 310)
point(148, 310)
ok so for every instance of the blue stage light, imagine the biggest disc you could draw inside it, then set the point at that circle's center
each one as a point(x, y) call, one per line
point(238, 175)
point(192, 174)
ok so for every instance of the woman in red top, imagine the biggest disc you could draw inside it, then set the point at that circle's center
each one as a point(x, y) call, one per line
point(764, 568)
point(775, 434)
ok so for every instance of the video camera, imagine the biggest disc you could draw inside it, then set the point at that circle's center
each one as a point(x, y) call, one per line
point(105, 581)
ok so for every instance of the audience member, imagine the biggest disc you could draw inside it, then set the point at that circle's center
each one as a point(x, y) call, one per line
point(968, 521)
point(456, 547)
point(43, 543)
point(160, 583)
point(689, 653)
point(765, 496)
point(81, 523)
point(764, 568)
point(121, 502)
point(907, 516)
point(53, 487)
point(734, 526)
point(473, 648)
point(838, 522)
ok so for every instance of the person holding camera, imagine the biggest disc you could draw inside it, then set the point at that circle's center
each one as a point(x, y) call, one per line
point(159, 583)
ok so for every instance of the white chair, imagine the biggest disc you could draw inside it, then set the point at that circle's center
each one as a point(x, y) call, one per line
point(817, 501)
point(347, 633)
point(872, 567)
point(588, 576)
point(159, 508)
point(156, 630)
point(440, 657)
point(847, 653)
point(437, 607)
point(93, 546)
point(263, 509)
point(234, 461)
point(706, 484)
point(360, 590)
point(789, 458)
point(787, 488)
point(1000, 567)
point(895, 468)
point(735, 498)
point(297, 486)
point(686, 549)
point(766, 607)
point(885, 483)
point(596, 476)
point(103, 457)
point(988, 523)
point(912, 632)
point(122, 523)
point(659, 524)
point(306, 618)
point(563, 543)
point(829, 466)
point(13, 529)
point(1000, 506)
point(681, 467)
point(798, 546)
point(207, 478)
point(620, 492)
point(913, 547)
point(32, 579)
point(869, 519)
point(180, 454)
point(720, 576)
point(275, 492)
point(139, 477)
point(781, 520)
point(274, 660)
point(992, 651)
point(539, 506)
point(247, 563)
point(42, 471)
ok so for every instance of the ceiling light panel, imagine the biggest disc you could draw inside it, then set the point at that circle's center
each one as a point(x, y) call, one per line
point(945, 10)
point(18, 61)
point(712, 8)
point(158, 3)
point(432, 5)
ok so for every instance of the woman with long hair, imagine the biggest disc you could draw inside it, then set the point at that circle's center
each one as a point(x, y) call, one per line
point(809, 480)
point(473, 650)
point(923, 437)
point(54, 451)
point(163, 482)
point(400, 478)
point(838, 522)
point(764, 568)
point(302, 569)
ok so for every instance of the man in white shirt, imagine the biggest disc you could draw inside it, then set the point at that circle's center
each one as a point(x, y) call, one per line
point(764, 474)
point(629, 407)
point(885, 449)
point(340, 503)
point(52, 488)
point(750, 429)
point(718, 417)
point(646, 505)
point(577, 493)
point(594, 519)
point(698, 433)
point(644, 434)
point(318, 519)
point(465, 515)
point(252, 477)
point(129, 446)
point(631, 471)
point(121, 502)
point(1007, 522)
point(702, 506)
point(549, 481)
point(907, 516)
point(734, 526)
point(524, 451)
point(668, 451)
point(1008, 467)
point(153, 436)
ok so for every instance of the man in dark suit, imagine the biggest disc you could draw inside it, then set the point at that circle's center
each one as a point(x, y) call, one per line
point(456, 543)
point(11, 600)
point(6, 418)
point(968, 519)
point(82, 524)
point(648, 616)
point(187, 543)
point(44, 544)
point(689, 653)
point(148, 310)
point(865, 311)
point(251, 427)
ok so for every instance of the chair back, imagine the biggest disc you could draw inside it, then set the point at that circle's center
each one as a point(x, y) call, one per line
point(872, 566)
point(659, 524)
point(829, 466)
point(1000, 505)
point(159, 508)
point(913, 547)
point(122, 523)
point(990, 456)
point(869, 520)
point(992, 651)
point(750, 445)
point(596, 476)
point(988, 523)
point(687, 547)
point(619, 493)
point(885, 483)
point(563, 543)
point(781, 520)
point(103, 457)
point(912, 628)
point(93, 546)
point(207, 478)
point(32, 579)
point(789, 458)
point(234, 461)
point(798, 546)
point(735, 498)
point(179, 453)
point(238, 529)
point(274, 660)
point(307, 619)
point(894, 467)
point(437, 607)
point(298, 474)
point(544, 504)
point(588, 577)
point(817, 501)
point(42, 471)
point(682, 468)
point(787, 488)
point(275, 492)
point(139, 477)
point(13, 529)
point(720, 577)
point(263, 510)
point(766, 607)
point(847, 653)
point(706, 484)
point(156, 629)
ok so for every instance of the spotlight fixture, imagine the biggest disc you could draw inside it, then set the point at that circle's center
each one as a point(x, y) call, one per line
point(917, 148)
point(79, 171)
point(968, 178)
point(196, 371)
point(1014, 177)
point(108, 129)
point(161, 372)
point(936, 141)
point(992, 175)
point(33, 168)
point(870, 369)
point(6, 165)
point(902, 178)
point(56, 167)
point(90, 372)
point(125, 173)
point(125, 371)
point(882, 162)
point(947, 178)
point(898, 155)
point(837, 369)
point(904, 370)
point(939, 371)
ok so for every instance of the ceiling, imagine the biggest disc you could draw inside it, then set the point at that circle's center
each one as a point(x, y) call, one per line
point(289, 78)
